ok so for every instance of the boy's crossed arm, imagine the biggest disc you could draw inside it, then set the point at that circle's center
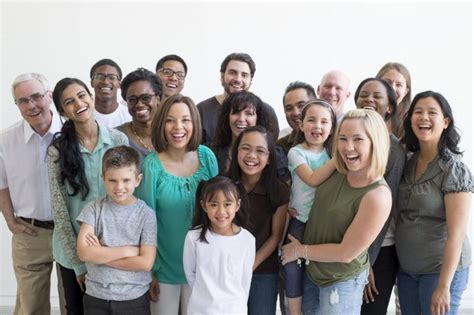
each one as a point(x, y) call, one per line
point(130, 258)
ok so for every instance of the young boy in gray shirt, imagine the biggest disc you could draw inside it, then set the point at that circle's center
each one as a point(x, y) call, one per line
point(117, 240)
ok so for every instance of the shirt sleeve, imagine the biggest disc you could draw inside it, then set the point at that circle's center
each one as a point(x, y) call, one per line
point(295, 158)
point(282, 164)
point(283, 194)
point(189, 258)
point(62, 220)
point(87, 214)
point(210, 160)
point(248, 264)
point(148, 236)
point(3, 171)
point(457, 178)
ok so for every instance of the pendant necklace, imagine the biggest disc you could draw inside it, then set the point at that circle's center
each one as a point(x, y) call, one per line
point(140, 139)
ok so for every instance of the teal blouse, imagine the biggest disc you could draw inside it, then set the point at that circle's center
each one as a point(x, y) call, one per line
point(173, 199)
point(66, 208)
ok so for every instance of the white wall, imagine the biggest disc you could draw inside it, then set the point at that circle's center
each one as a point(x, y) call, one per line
point(288, 42)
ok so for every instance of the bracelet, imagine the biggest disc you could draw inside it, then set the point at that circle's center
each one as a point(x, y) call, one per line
point(305, 254)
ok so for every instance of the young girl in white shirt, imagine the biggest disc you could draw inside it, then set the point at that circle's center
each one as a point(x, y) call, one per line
point(218, 252)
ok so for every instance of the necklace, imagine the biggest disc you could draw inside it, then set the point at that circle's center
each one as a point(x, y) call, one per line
point(140, 139)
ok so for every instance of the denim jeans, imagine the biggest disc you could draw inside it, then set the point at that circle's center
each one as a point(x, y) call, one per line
point(294, 273)
point(343, 297)
point(263, 294)
point(415, 291)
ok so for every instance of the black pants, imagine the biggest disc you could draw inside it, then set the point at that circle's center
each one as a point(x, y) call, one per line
point(138, 306)
point(385, 271)
point(72, 292)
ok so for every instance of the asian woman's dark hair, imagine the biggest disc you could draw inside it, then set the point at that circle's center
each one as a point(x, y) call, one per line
point(235, 103)
point(328, 144)
point(269, 175)
point(391, 95)
point(66, 142)
point(207, 190)
point(449, 138)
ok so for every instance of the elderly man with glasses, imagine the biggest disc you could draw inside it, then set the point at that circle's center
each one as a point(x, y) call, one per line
point(24, 192)
point(105, 80)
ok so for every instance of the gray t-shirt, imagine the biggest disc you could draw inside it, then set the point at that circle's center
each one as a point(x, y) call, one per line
point(421, 231)
point(117, 225)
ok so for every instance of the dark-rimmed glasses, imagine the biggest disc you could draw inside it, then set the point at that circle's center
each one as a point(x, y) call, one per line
point(167, 72)
point(144, 98)
point(103, 77)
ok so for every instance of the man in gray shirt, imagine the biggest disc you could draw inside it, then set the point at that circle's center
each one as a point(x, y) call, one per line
point(237, 71)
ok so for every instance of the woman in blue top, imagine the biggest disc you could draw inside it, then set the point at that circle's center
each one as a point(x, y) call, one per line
point(74, 165)
point(434, 200)
point(170, 179)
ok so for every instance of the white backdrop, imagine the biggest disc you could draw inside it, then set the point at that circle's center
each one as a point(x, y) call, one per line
point(288, 41)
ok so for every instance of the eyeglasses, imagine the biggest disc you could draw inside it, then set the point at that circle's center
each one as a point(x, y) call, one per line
point(167, 72)
point(34, 98)
point(247, 149)
point(103, 77)
point(144, 98)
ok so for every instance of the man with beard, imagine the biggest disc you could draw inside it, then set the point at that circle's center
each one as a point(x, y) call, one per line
point(237, 71)
point(105, 80)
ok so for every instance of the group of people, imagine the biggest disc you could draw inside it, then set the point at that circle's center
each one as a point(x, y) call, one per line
point(163, 206)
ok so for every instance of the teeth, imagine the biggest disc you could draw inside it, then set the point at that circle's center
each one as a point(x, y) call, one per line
point(142, 112)
point(33, 114)
point(240, 126)
point(250, 163)
point(83, 109)
point(106, 89)
point(173, 86)
point(178, 135)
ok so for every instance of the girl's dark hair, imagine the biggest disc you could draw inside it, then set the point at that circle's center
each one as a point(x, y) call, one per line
point(141, 74)
point(66, 142)
point(449, 138)
point(235, 103)
point(207, 190)
point(391, 95)
point(329, 141)
point(269, 175)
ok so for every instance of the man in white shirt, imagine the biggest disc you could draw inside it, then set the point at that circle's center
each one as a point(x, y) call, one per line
point(105, 80)
point(25, 198)
point(334, 89)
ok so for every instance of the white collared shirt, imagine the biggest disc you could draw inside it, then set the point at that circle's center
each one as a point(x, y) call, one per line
point(23, 168)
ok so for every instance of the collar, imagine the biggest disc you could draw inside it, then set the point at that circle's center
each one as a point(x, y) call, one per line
point(260, 188)
point(104, 139)
point(56, 124)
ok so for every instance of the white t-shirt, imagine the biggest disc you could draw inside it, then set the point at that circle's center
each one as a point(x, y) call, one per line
point(114, 119)
point(219, 272)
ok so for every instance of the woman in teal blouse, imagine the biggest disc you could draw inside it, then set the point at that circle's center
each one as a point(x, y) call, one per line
point(74, 165)
point(170, 179)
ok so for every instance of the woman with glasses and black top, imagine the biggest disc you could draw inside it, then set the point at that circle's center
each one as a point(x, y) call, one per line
point(142, 90)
